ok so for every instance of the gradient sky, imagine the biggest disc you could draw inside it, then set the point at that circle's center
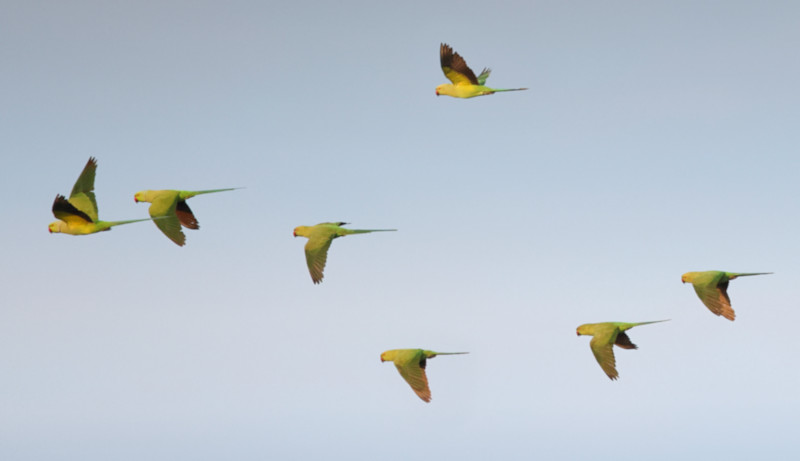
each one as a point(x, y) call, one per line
point(655, 139)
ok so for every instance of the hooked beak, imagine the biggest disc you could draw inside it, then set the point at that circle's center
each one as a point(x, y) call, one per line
point(135, 199)
point(294, 234)
point(49, 230)
point(437, 92)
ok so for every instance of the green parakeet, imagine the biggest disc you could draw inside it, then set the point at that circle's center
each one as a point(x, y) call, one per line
point(712, 288)
point(604, 336)
point(78, 214)
point(171, 207)
point(319, 240)
point(411, 365)
point(465, 83)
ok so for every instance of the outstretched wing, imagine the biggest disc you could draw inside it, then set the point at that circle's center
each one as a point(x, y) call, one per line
point(715, 297)
point(317, 256)
point(186, 216)
point(65, 211)
point(455, 68)
point(82, 195)
point(604, 354)
point(414, 374)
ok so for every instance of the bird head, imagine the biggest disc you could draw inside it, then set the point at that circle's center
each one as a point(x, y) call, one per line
point(583, 330)
point(687, 277)
point(55, 226)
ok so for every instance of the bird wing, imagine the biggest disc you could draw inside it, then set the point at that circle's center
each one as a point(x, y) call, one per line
point(624, 341)
point(162, 209)
point(715, 297)
point(82, 195)
point(484, 75)
point(66, 211)
point(604, 354)
point(414, 373)
point(455, 68)
point(186, 216)
point(317, 256)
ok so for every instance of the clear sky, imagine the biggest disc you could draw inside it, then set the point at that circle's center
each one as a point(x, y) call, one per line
point(655, 139)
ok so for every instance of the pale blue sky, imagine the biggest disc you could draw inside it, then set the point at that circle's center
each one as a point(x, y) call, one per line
point(655, 139)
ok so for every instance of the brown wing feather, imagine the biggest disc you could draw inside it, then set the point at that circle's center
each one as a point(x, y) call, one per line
point(185, 215)
point(454, 62)
point(66, 211)
point(624, 341)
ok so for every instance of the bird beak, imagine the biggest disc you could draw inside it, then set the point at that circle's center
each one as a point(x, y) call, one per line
point(294, 234)
point(437, 92)
point(135, 199)
point(382, 360)
point(49, 230)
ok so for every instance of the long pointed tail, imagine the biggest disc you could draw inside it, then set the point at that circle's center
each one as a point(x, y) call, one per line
point(733, 275)
point(450, 353)
point(211, 191)
point(508, 89)
point(365, 231)
point(647, 323)
point(118, 223)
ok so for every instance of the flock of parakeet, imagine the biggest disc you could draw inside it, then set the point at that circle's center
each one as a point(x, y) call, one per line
point(77, 215)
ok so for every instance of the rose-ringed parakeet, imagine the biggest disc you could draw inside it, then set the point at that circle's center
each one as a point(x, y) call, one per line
point(411, 365)
point(78, 214)
point(604, 336)
point(712, 288)
point(171, 207)
point(319, 240)
point(465, 83)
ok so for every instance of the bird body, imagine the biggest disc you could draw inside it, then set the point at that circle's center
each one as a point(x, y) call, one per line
point(320, 237)
point(411, 364)
point(78, 214)
point(604, 336)
point(712, 288)
point(170, 206)
point(465, 83)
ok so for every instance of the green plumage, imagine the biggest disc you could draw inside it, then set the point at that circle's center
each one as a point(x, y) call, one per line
point(78, 214)
point(320, 238)
point(604, 336)
point(712, 288)
point(172, 210)
point(411, 364)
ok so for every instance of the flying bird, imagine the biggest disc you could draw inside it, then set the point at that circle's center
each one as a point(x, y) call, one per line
point(170, 206)
point(78, 214)
point(411, 365)
point(605, 336)
point(712, 288)
point(319, 240)
point(465, 83)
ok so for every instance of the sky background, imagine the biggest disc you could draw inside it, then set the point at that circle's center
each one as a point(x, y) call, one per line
point(655, 139)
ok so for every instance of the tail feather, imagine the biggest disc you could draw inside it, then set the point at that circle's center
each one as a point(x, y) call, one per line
point(733, 275)
point(509, 89)
point(118, 223)
point(209, 191)
point(365, 231)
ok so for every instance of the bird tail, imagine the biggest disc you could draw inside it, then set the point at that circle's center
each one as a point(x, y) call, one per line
point(508, 89)
point(365, 231)
point(631, 325)
point(450, 353)
point(733, 275)
point(118, 223)
point(211, 191)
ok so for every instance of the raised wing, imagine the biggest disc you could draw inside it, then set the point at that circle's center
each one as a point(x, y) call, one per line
point(65, 211)
point(455, 68)
point(82, 195)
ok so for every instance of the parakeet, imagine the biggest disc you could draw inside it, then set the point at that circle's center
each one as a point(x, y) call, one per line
point(411, 365)
point(465, 84)
point(712, 288)
point(78, 214)
point(171, 207)
point(319, 240)
point(605, 335)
